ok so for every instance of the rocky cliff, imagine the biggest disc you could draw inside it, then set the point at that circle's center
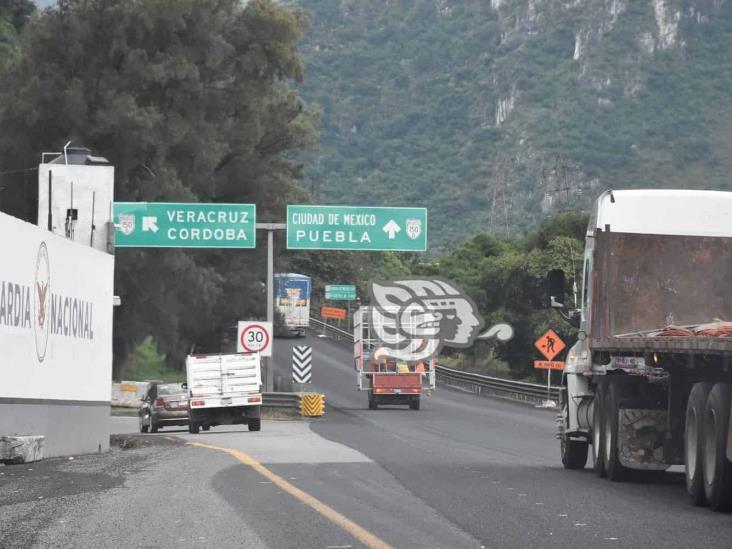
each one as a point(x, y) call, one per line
point(495, 113)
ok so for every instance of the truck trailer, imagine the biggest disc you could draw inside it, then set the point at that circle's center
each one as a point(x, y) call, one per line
point(292, 301)
point(647, 385)
point(224, 389)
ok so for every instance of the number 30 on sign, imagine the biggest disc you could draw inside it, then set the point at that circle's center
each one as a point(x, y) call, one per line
point(254, 337)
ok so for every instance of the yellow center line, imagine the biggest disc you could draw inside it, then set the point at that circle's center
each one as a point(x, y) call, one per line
point(361, 534)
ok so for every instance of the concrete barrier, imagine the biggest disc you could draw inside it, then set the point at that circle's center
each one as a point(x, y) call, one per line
point(129, 394)
point(21, 449)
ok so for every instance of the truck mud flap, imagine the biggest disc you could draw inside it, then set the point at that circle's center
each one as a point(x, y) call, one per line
point(641, 434)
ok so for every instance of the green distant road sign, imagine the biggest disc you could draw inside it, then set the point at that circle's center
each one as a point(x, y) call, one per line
point(340, 292)
point(356, 228)
point(175, 225)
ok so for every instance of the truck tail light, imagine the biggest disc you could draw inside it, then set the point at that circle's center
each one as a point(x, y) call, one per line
point(255, 398)
point(197, 402)
point(159, 403)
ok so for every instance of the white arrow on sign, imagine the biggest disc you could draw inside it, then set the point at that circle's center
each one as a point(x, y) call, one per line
point(392, 228)
point(150, 223)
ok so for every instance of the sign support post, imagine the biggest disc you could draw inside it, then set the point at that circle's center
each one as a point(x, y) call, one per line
point(270, 228)
point(549, 345)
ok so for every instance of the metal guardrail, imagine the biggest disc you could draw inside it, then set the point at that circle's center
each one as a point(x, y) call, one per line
point(475, 383)
point(281, 400)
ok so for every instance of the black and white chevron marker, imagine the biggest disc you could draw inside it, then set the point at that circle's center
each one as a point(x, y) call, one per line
point(302, 363)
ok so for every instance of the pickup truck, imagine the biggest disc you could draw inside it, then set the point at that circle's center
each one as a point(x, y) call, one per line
point(647, 385)
point(224, 389)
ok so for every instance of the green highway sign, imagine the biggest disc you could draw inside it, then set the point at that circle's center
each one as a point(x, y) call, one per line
point(356, 228)
point(175, 225)
point(340, 292)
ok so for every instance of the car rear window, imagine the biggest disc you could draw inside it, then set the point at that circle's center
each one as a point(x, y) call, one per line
point(170, 389)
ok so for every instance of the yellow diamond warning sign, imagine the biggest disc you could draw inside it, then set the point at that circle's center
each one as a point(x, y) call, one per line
point(550, 344)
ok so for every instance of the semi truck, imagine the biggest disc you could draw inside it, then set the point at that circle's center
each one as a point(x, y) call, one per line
point(386, 379)
point(292, 301)
point(647, 384)
point(224, 389)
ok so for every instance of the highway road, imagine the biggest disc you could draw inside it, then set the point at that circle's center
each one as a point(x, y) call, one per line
point(464, 471)
point(492, 469)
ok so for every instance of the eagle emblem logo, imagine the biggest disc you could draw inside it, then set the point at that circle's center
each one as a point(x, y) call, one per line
point(41, 298)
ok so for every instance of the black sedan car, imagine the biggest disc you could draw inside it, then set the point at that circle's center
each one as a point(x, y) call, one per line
point(165, 404)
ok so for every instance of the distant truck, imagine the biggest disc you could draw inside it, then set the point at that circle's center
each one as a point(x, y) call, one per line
point(292, 301)
point(224, 390)
point(648, 383)
point(386, 380)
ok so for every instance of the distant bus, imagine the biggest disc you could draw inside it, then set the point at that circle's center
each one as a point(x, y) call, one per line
point(292, 301)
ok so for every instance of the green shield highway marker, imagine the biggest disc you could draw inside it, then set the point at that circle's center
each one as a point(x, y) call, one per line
point(356, 228)
point(178, 225)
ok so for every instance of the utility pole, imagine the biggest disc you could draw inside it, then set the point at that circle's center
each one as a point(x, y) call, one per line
point(499, 202)
point(270, 228)
point(559, 182)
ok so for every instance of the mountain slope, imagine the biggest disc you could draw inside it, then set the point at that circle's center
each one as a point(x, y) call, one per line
point(493, 114)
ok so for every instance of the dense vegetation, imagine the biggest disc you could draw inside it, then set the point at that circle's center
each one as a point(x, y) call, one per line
point(435, 103)
point(13, 16)
point(191, 99)
point(506, 278)
point(410, 93)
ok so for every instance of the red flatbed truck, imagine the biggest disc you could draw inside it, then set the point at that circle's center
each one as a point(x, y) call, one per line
point(386, 380)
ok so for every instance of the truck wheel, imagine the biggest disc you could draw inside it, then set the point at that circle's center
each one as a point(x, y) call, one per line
point(255, 424)
point(598, 432)
point(414, 404)
point(717, 470)
point(143, 427)
point(193, 428)
point(614, 469)
point(694, 442)
point(206, 427)
point(574, 452)
point(372, 403)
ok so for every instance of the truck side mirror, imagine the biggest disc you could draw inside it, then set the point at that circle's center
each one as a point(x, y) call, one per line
point(556, 284)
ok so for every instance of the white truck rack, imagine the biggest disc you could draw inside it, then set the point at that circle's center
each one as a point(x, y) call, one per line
point(224, 389)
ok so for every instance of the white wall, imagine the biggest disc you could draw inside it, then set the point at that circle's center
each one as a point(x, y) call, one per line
point(91, 184)
point(62, 356)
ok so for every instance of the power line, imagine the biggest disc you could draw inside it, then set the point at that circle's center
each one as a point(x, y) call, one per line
point(19, 171)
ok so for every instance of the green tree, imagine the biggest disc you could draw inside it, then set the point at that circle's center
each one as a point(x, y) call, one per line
point(14, 14)
point(190, 100)
point(506, 278)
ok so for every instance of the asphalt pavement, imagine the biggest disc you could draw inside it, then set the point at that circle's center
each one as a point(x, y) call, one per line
point(492, 469)
point(464, 471)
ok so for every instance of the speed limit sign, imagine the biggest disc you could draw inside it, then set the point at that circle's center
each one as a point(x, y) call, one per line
point(255, 337)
